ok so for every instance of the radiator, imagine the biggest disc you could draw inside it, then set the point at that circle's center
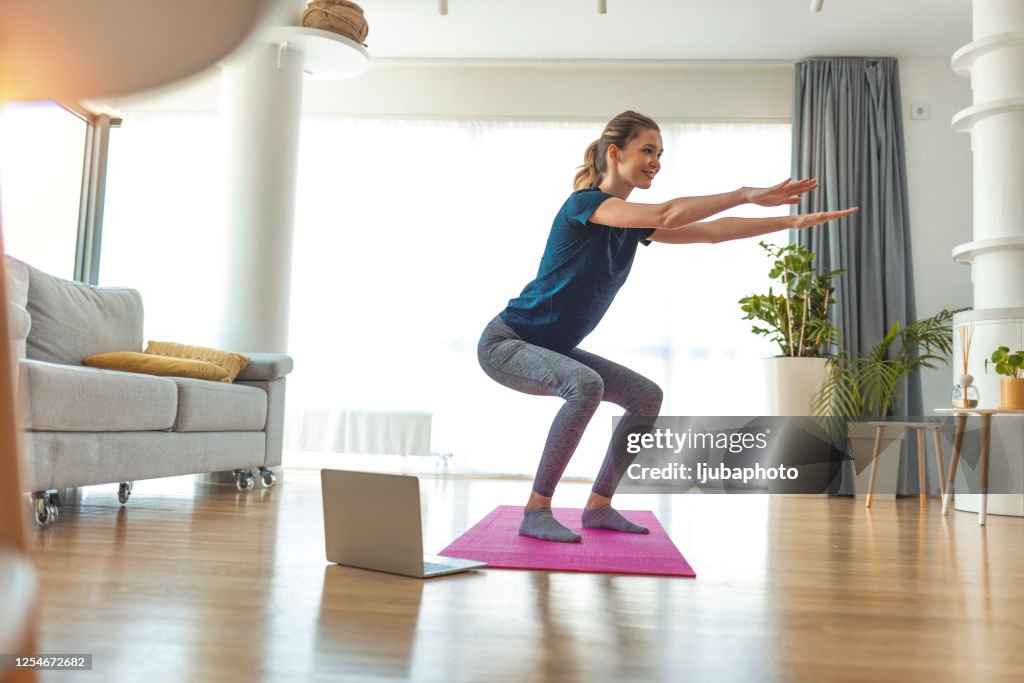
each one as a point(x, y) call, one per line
point(326, 430)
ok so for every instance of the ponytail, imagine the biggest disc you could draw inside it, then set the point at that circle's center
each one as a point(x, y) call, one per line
point(592, 170)
point(618, 132)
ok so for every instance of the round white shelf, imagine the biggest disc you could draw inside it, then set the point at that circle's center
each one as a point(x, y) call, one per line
point(964, 120)
point(964, 58)
point(326, 55)
point(994, 315)
point(965, 253)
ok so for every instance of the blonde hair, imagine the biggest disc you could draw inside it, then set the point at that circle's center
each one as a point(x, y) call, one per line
point(619, 131)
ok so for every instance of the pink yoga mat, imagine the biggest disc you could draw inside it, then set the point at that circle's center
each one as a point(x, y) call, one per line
point(495, 540)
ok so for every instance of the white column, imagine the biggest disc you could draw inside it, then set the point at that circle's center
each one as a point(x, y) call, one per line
point(261, 102)
point(994, 61)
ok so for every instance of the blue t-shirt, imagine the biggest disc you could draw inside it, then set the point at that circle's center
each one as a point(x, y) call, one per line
point(583, 266)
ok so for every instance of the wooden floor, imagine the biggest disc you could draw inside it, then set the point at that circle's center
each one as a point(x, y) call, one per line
point(195, 582)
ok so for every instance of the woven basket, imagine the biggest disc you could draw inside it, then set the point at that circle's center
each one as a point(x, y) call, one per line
point(338, 16)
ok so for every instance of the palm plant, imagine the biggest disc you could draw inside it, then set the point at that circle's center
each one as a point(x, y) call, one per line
point(869, 386)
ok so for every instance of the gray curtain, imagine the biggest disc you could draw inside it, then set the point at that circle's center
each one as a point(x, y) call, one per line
point(848, 133)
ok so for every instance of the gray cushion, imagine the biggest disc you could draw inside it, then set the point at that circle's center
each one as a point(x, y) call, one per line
point(70, 398)
point(17, 300)
point(266, 366)
point(205, 406)
point(71, 320)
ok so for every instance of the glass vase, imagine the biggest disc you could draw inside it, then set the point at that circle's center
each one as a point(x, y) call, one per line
point(965, 394)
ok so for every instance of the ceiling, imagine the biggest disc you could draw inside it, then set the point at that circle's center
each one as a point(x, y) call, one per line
point(744, 30)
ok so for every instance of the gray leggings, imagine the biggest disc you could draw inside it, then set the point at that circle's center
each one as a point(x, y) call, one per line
point(583, 380)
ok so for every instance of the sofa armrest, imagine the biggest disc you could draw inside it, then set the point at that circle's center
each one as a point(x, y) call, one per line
point(266, 367)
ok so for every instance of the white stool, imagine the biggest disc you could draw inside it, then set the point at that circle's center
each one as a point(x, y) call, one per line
point(936, 428)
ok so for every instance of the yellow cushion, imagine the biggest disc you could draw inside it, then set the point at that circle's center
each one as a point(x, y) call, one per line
point(132, 361)
point(232, 363)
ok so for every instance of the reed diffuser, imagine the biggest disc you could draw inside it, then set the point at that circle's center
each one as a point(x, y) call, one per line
point(965, 394)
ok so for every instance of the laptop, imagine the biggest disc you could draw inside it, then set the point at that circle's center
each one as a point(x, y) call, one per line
point(372, 521)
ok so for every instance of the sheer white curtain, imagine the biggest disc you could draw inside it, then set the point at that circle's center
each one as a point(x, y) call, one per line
point(411, 234)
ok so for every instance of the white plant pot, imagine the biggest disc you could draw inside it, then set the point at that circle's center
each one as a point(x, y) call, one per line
point(790, 384)
point(862, 443)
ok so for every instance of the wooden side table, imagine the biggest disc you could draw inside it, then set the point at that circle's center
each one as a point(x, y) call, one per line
point(986, 432)
point(936, 428)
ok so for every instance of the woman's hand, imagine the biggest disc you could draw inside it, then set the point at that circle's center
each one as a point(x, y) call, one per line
point(806, 220)
point(786, 192)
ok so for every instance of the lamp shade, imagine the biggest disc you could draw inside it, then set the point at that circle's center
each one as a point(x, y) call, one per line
point(73, 49)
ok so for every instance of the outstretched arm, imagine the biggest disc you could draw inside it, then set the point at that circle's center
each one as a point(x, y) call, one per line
point(684, 211)
point(726, 229)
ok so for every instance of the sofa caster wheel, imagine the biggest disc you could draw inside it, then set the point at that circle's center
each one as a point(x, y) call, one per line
point(124, 491)
point(268, 477)
point(47, 515)
point(46, 508)
point(244, 480)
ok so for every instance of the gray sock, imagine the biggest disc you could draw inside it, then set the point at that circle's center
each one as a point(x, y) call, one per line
point(540, 523)
point(607, 517)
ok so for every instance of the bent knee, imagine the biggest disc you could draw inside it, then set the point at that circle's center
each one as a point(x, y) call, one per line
point(656, 395)
point(584, 384)
point(650, 399)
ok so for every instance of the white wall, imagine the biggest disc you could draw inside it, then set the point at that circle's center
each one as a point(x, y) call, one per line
point(938, 160)
point(592, 90)
point(939, 173)
point(517, 89)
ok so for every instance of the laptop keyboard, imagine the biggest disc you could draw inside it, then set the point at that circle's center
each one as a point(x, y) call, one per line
point(435, 567)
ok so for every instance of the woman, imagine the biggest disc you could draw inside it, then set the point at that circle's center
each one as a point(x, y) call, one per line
point(532, 345)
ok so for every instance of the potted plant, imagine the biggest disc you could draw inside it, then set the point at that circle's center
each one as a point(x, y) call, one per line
point(796, 317)
point(859, 389)
point(1011, 387)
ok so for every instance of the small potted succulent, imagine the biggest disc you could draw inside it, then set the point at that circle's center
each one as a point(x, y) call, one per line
point(1011, 386)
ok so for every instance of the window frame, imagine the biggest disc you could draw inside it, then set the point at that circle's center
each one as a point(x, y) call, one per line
point(92, 198)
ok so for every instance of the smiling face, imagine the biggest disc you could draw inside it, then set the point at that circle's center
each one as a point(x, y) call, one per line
point(640, 160)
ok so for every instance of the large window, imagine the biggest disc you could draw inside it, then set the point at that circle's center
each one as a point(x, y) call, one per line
point(42, 149)
point(164, 232)
point(409, 236)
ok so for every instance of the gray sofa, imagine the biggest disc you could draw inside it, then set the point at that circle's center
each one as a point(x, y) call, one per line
point(90, 426)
